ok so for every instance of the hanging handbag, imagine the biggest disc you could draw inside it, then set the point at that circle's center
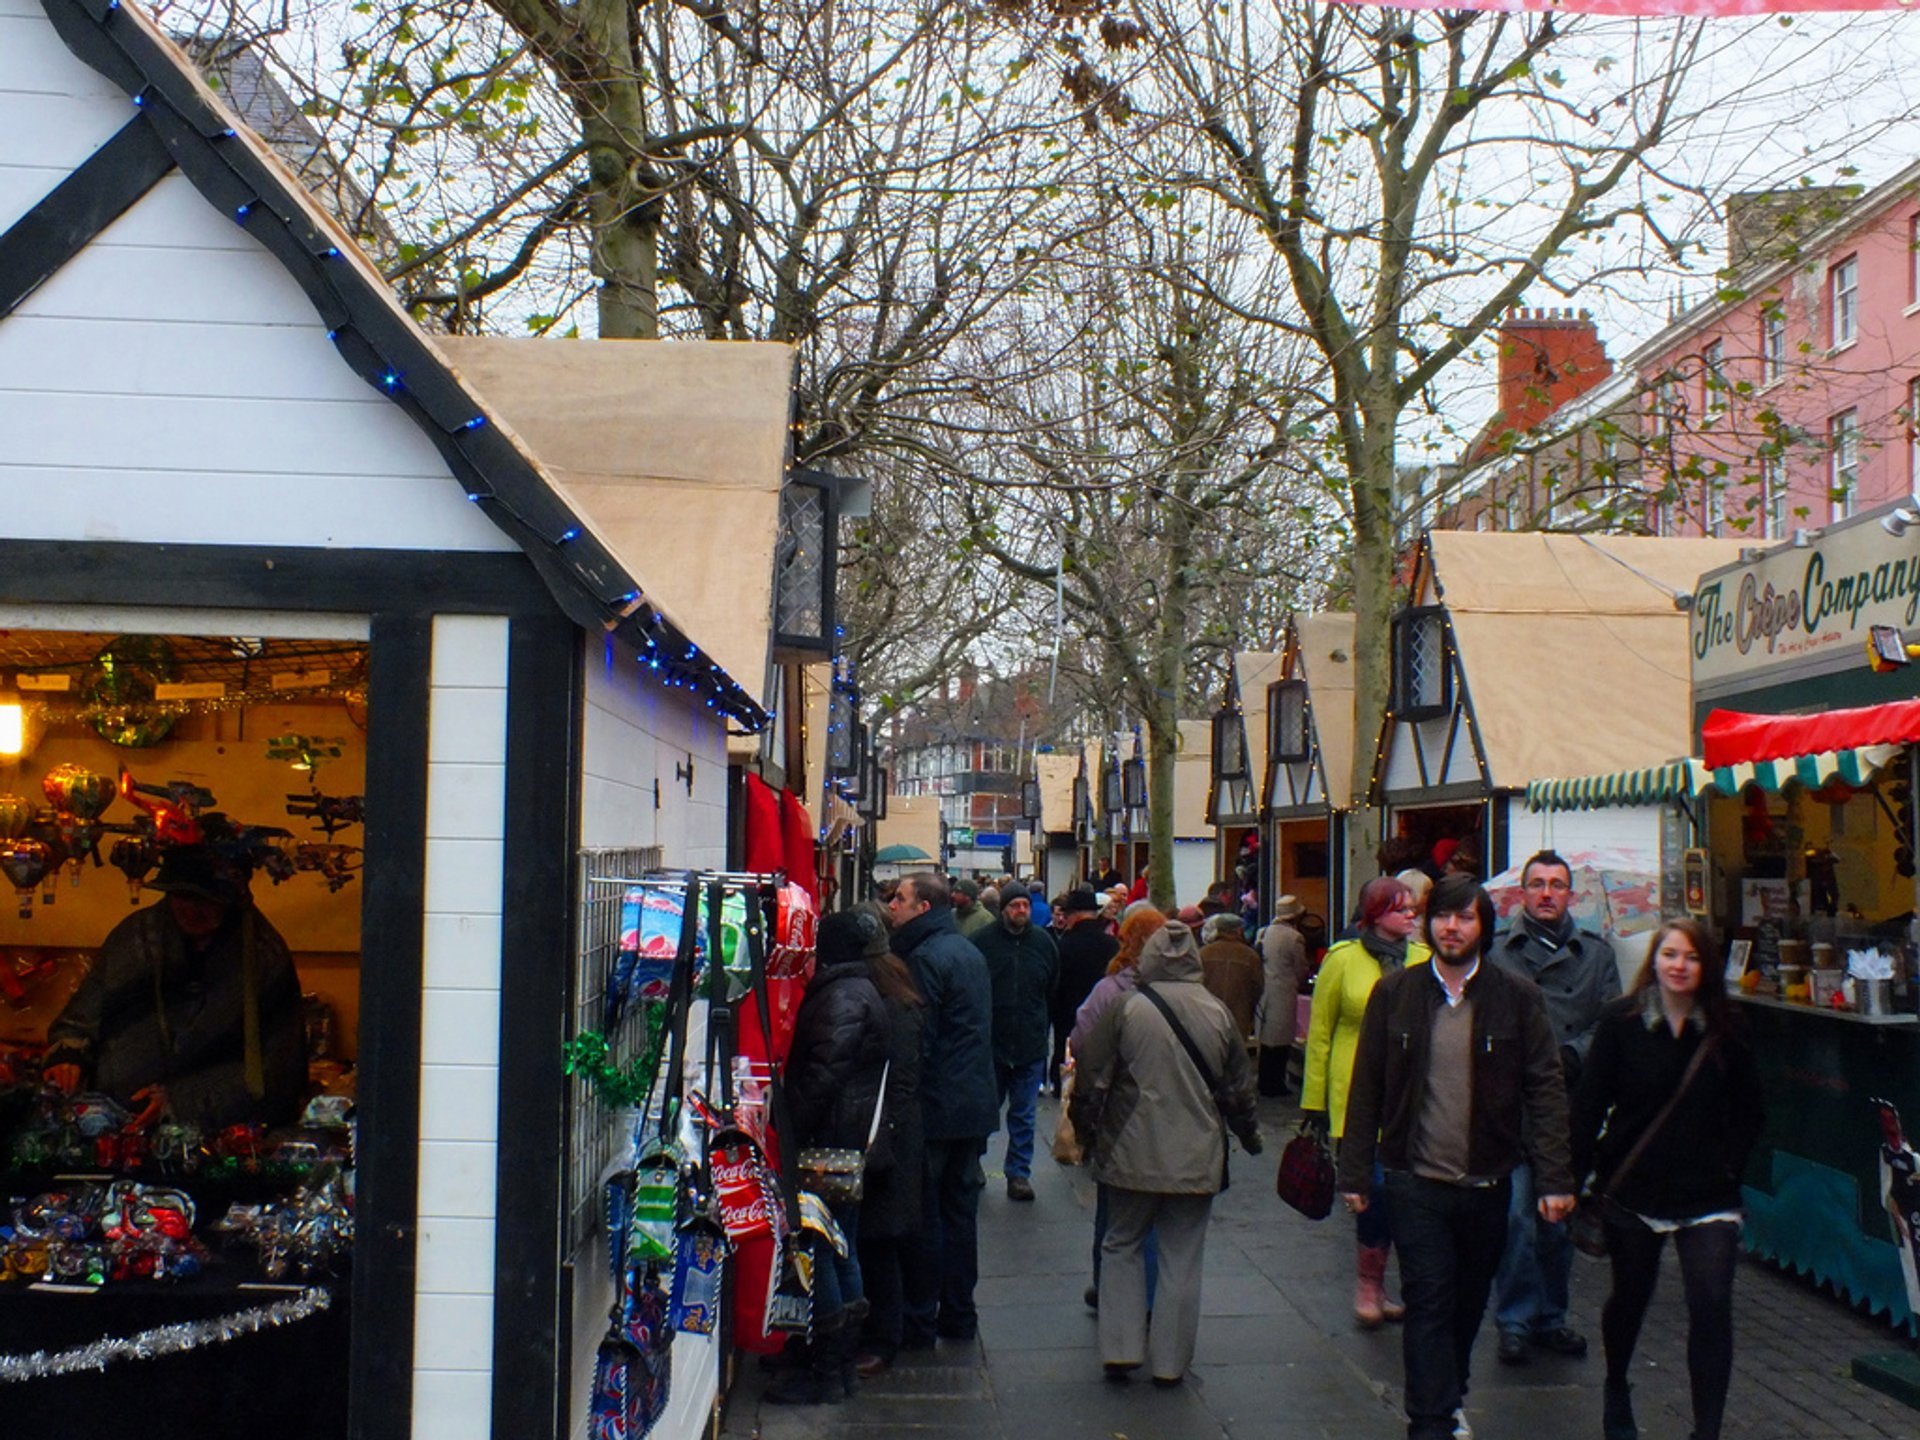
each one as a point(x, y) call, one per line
point(1305, 1178)
point(1587, 1226)
point(1067, 1149)
point(838, 1176)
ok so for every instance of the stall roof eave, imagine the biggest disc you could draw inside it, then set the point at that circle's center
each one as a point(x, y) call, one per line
point(1326, 657)
point(1682, 781)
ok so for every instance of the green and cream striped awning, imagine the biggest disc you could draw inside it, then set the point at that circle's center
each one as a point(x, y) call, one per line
point(1688, 779)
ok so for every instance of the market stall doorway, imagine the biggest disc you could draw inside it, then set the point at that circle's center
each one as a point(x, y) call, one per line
point(1430, 837)
point(182, 840)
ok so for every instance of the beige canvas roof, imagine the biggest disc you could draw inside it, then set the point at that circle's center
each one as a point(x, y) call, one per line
point(1056, 774)
point(912, 821)
point(1191, 773)
point(1256, 670)
point(1575, 657)
point(1326, 664)
point(672, 453)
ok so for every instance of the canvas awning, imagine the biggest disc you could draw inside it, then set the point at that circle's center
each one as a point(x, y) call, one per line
point(1731, 737)
point(1680, 780)
point(672, 452)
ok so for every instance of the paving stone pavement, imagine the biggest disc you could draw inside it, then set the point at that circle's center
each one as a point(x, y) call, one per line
point(1280, 1359)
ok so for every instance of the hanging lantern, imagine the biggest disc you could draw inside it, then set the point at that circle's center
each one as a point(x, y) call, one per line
point(1082, 800)
point(804, 559)
point(1133, 778)
point(842, 710)
point(1112, 796)
point(883, 786)
point(1030, 798)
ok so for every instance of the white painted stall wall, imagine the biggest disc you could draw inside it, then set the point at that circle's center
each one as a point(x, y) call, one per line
point(232, 415)
point(1626, 827)
point(636, 732)
point(460, 1028)
point(1193, 867)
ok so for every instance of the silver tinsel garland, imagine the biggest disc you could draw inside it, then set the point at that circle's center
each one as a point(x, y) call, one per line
point(163, 1339)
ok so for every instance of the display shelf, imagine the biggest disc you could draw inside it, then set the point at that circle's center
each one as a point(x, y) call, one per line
point(1769, 1002)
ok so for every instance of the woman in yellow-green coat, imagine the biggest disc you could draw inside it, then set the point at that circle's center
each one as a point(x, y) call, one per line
point(1389, 916)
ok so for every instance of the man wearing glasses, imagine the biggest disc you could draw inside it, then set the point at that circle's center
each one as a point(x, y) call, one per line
point(1577, 974)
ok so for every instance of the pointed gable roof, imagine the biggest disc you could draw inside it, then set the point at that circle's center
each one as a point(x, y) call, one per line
point(579, 555)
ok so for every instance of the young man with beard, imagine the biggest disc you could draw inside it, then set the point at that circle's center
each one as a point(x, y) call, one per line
point(1456, 1085)
point(1578, 977)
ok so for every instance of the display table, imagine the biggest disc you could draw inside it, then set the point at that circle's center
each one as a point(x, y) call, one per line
point(287, 1381)
point(1813, 1188)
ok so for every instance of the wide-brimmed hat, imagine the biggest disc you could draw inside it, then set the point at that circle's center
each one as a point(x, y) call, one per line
point(1288, 907)
point(195, 870)
point(1079, 901)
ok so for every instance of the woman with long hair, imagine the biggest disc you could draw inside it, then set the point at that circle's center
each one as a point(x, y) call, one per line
point(890, 1206)
point(1139, 924)
point(1387, 920)
point(1666, 1113)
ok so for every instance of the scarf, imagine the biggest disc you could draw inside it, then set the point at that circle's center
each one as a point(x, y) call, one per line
point(1556, 936)
point(1392, 954)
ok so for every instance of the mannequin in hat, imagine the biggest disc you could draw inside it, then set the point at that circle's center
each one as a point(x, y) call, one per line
point(1283, 963)
point(191, 1005)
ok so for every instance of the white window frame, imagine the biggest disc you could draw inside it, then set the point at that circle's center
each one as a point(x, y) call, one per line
point(1713, 379)
point(1773, 496)
point(1843, 290)
point(1773, 347)
point(1913, 260)
point(1913, 435)
point(1843, 463)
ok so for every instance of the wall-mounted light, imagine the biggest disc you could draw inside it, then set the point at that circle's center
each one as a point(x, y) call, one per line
point(13, 725)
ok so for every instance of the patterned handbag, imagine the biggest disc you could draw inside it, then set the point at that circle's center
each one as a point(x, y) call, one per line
point(1305, 1178)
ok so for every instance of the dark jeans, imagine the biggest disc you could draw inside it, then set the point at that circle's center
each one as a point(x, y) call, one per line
point(1450, 1239)
point(836, 1282)
point(1708, 1254)
point(881, 1259)
point(939, 1273)
point(1373, 1226)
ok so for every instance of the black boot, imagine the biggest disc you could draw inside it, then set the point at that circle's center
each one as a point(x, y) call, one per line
point(1616, 1414)
point(1273, 1069)
point(817, 1381)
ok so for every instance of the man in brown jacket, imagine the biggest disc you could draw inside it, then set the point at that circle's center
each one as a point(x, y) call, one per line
point(1456, 1084)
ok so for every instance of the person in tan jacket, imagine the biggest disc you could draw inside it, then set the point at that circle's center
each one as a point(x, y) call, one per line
point(1283, 962)
point(1230, 969)
point(1156, 1134)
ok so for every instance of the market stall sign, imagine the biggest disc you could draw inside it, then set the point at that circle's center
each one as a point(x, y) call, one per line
point(1804, 608)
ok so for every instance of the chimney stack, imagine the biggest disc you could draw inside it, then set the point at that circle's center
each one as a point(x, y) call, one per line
point(1548, 357)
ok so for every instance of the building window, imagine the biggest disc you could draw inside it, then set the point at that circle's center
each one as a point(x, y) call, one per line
point(1843, 443)
point(1846, 301)
point(1913, 435)
point(1713, 506)
point(1713, 379)
point(1773, 495)
point(1773, 346)
point(1422, 678)
point(1913, 260)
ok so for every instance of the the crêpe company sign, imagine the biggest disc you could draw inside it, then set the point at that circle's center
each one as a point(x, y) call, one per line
point(1806, 606)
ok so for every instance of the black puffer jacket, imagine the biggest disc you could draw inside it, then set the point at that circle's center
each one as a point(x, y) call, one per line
point(959, 1094)
point(840, 1041)
point(891, 1206)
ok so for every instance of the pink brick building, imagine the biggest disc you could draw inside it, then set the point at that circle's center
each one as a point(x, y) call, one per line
point(1791, 400)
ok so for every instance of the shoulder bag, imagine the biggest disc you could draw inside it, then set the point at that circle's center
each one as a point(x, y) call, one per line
point(1199, 1063)
point(1586, 1227)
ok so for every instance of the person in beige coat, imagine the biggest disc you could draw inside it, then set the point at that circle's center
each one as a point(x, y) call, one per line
point(1156, 1135)
point(1283, 957)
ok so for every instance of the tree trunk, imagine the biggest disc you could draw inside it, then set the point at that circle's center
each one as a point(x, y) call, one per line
point(1169, 672)
point(1373, 562)
point(623, 208)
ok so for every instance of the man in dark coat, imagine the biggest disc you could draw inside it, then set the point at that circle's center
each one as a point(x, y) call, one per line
point(1024, 968)
point(1086, 949)
point(1578, 977)
point(959, 1103)
point(191, 1004)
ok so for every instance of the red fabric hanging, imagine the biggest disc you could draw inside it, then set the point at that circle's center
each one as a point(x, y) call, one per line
point(796, 830)
point(765, 843)
point(1730, 737)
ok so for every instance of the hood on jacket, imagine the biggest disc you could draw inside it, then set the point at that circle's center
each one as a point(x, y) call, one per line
point(1170, 954)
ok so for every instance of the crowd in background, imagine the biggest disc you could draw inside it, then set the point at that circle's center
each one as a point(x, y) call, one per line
point(1474, 1078)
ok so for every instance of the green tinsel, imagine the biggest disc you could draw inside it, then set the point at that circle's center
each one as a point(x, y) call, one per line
point(588, 1055)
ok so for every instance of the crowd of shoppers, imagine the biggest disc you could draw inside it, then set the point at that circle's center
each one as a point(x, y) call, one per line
point(1473, 1079)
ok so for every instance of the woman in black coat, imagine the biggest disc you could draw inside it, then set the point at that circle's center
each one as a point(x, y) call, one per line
point(1685, 1181)
point(890, 1212)
point(834, 1074)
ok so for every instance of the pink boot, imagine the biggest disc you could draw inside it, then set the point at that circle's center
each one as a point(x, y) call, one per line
point(1369, 1286)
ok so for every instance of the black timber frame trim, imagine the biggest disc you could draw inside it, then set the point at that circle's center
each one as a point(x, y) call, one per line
point(385, 347)
point(380, 1397)
point(245, 577)
point(76, 210)
point(531, 1324)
